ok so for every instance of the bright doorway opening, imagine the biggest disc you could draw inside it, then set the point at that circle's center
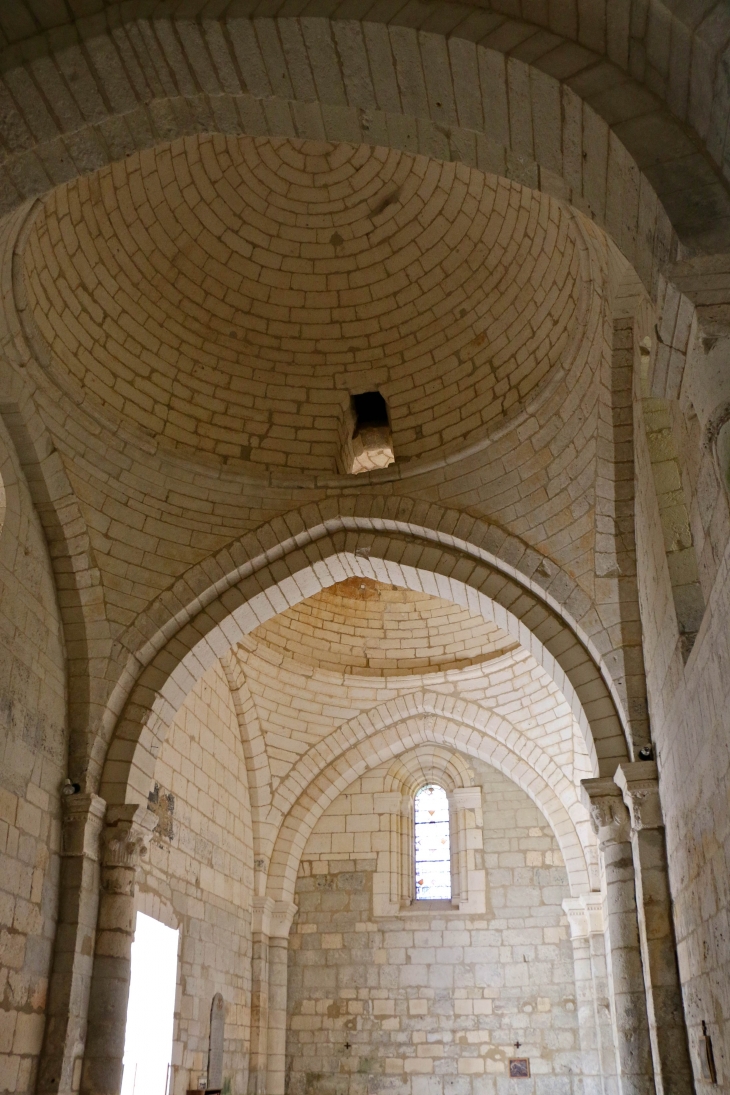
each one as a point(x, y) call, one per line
point(151, 1009)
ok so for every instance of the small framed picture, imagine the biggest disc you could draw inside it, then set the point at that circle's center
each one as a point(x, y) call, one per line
point(519, 1068)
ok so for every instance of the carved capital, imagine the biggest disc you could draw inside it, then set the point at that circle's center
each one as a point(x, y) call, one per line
point(639, 785)
point(83, 817)
point(281, 919)
point(585, 915)
point(577, 920)
point(126, 835)
point(261, 910)
point(610, 819)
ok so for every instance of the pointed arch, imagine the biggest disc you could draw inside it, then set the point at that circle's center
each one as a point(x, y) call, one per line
point(428, 706)
point(402, 736)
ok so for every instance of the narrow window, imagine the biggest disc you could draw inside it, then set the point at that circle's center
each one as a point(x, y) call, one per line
point(433, 844)
point(368, 443)
point(151, 1009)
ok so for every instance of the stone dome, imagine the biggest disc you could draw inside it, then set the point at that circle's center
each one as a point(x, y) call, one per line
point(227, 296)
point(367, 628)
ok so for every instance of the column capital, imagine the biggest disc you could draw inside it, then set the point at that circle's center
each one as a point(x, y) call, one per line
point(610, 819)
point(261, 910)
point(83, 817)
point(585, 915)
point(281, 919)
point(466, 798)
point(126, 835)
point(577, 920)
point(639, 785)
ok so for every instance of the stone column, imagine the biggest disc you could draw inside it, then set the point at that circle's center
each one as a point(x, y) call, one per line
point(406, 878)
point(260, 931)
point(672, 1063)
point(585, 917)
point(124, 844)
point(281, 920)
point(68, 992)
point(610, 820)
point(467, 829)
point(388, 881)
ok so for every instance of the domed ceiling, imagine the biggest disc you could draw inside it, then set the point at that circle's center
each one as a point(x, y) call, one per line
point(227, 296)
point(366, 628)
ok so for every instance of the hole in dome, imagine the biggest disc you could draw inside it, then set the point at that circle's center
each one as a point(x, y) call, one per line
point(368, 442)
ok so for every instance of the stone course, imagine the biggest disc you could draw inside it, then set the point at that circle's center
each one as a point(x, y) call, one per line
point(217, 224)
point(433, 1001)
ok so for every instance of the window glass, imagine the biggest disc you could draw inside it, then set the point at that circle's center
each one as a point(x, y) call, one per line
point(433, 846)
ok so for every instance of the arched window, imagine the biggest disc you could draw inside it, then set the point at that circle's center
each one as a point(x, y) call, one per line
point(433, 844)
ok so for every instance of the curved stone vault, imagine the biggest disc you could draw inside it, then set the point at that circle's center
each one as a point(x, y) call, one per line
point(488, 244)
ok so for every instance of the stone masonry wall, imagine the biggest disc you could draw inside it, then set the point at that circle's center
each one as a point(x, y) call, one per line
point(201, 876)
point(432, 1002)
point(688, 706)
point(32, 768)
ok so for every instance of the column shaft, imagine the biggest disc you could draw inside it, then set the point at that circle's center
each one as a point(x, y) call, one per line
point(278, 958)
point(585, 916)
point(68, 993)
point(610, 820)
point(602, 1005)
point(258, 1061)
point(672, 1063)
point(632, 1024)
point(124, 840)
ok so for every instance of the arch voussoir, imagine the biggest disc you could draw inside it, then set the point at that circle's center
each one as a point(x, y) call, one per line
point(414, 560)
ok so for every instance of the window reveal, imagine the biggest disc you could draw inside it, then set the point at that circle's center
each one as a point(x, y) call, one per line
point(433, 844)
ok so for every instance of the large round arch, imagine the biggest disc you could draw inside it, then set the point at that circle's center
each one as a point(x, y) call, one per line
point(397, 556)
point(555, 109)
point(456, 83)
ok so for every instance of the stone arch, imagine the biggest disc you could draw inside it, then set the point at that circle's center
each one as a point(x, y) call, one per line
point(254, 750)
point(77, 576)
point(124, 83)
point(430, 707)
point(384, 745)
point(428, 764)
point(399, 557)
point(197, 603)
point(154, 904)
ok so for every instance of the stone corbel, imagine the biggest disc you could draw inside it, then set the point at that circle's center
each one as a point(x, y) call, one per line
point(282, 916)
point(574, 909)
point(610, 819)
point(585, 915)
point(640, 789)
point(262, 909)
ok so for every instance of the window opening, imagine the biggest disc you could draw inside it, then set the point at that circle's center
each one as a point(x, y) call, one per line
point(433, 844)
point(369, 444)
point(151, 1009)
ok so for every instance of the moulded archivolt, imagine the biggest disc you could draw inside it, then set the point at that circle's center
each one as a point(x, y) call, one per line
point(394, 889)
